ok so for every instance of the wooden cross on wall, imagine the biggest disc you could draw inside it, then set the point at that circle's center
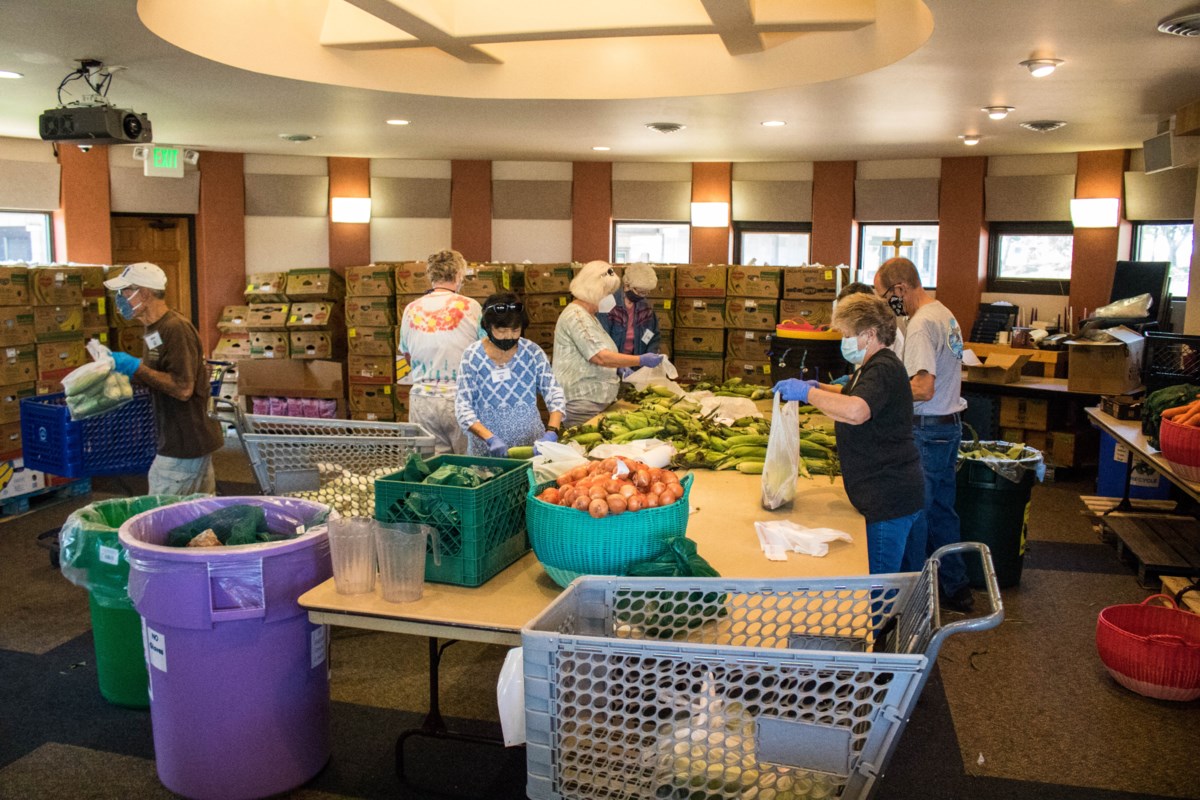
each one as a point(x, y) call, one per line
point(897, 243)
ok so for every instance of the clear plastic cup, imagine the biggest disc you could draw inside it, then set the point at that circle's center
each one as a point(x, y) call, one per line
point(401, 548)
point(352, 548)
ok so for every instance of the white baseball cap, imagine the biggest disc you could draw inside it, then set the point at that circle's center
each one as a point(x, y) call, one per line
point(143, 273)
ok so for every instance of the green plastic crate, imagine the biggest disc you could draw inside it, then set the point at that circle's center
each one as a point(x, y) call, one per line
point(480, 530)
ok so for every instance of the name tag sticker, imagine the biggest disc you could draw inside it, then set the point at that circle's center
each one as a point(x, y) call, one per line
point(647, 336)
point(153, 340)
point(501, 375)
point(109, 555)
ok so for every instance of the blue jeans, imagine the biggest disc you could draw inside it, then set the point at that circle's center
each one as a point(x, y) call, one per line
point(886, 542)
point(938, 526)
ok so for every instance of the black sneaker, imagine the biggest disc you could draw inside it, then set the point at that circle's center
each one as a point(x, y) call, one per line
point(962, 600)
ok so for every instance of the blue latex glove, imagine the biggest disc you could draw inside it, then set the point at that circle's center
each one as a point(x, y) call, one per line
point(624, 372)
point(497, 448)
point(793, 389)
point(548, 436)
point(125, 363)
point(650, 359)
point(842, 381)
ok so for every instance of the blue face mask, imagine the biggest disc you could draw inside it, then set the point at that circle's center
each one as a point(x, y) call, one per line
point(125, 308)
point(850, 350)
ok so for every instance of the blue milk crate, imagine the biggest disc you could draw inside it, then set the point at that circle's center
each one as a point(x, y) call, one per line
point(120, 442)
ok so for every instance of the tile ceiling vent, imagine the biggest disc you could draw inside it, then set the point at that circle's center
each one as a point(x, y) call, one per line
point(1185, 24)
point(1043, 125)
point(665, 127)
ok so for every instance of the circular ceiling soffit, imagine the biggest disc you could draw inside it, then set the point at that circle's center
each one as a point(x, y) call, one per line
point(547, 49)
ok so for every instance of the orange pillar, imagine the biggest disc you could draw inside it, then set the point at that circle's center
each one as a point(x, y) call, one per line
point(471, 209)
point(349, 242)
point(83, 223)
point(591, 211)
point(711, 183)
point(962, 237)
point(834, 231)
point(220, 240)
point(1099, 173)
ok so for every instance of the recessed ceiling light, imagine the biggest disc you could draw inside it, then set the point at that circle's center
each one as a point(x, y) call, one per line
point(1041, 67)
point(997, 112)
point(601, 148)
point(1184, 24)
point(397, 122)
point(665, 127)
point(1043, 125)
point(774, 123)
point(7, 73)
point(297, 138)
point(969, 139)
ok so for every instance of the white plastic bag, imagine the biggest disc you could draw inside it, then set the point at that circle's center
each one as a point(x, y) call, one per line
point(555, 459)
point(782, 467)
point(651, 452)
point(728, 409)
point(510, 697)
point(662, 375)
point(1137, 306)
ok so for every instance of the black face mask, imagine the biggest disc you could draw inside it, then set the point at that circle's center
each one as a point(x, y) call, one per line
point(633, 296)
point(503, 344)
point(897, 304)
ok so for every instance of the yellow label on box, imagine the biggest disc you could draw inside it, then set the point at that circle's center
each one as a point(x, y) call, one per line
point(352, 332)
point(562, 301)
point(506, 280)
point(402, 367)
point(828, 274)
point(766, 369)
point(387, 390)
point(293, 318)
point(666, 305)
point(100, 306)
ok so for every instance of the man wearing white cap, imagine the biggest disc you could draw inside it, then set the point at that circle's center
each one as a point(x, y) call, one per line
point(177, 375)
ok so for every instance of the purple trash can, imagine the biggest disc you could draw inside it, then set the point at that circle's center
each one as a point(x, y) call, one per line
point(239, 678)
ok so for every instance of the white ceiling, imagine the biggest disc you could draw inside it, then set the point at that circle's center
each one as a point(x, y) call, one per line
point(921, 90)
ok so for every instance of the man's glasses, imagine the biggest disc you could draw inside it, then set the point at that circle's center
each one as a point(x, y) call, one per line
point(504, 308)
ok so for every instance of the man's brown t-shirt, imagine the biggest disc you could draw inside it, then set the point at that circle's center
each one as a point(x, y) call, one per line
point(184, 428)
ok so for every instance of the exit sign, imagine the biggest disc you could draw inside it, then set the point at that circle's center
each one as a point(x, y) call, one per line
point(163, 162)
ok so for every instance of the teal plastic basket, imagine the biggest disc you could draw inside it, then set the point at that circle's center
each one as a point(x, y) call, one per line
point(570, 543)
point(481, 530)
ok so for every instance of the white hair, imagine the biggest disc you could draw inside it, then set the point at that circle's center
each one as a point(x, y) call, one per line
point(594, 282)
point(640, 278)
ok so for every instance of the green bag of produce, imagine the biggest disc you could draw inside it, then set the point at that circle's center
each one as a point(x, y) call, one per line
point(679, 560)
point(232, 525)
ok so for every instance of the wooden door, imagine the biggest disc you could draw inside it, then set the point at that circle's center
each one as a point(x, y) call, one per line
point(165, 241)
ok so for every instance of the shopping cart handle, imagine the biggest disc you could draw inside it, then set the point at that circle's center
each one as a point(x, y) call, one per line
point(991, 587)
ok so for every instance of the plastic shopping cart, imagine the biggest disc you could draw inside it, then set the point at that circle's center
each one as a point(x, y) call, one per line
point(723, 689)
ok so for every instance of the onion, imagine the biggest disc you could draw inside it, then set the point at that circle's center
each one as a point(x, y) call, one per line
point(652, 501)
point(675, 489)
point(563, 479)
point(597, 493)
point(568, 494)
point(549, 496)
point(635, 503)
point(641, 479)
point(666, 498)
point(598, 509)
point(628, 490)
point(658, 487)
point(581, 503)
point(616, 504)
point(612, 486)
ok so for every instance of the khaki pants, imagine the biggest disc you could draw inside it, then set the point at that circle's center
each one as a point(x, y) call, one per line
point(182, 476)
point(436, 415)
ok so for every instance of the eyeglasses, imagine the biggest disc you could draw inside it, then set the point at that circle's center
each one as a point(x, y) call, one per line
point(504, 308)
point(611, 271)
point(890, 292)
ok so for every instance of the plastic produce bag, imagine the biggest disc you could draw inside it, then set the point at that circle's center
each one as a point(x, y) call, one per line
point(510, 697)
point(662, 375)
point(95, 388)
point(1130, 307)
point(781, 470)
point(679, 560)
point(651, 452)
point(233, 525)
point(555, 459)
point(1010, 460)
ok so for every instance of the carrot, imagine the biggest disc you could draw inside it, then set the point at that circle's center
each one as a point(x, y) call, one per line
point(1178, 411)
point(1189, 418)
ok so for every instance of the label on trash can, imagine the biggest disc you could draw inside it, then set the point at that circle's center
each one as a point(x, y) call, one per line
point(317, 646)
point(109, 555)
point(1142, 473)
point(156, 649)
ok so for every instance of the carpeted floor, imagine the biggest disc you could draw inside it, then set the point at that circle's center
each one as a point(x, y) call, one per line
point(1024, 711)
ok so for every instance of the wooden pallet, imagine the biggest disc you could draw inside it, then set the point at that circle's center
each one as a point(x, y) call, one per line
point(1158, 545)
point(24, 503)
point(1097, 505)
point(1172, 584)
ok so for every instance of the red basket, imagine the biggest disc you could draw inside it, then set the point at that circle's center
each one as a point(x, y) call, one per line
point(1153, 650)
point(1180, 446)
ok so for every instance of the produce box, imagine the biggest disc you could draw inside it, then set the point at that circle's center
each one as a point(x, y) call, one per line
point(91, 280)
point(1023, 412)
point(665, 347)
point(16, 325)
point(698, 280)
point(55, 360)
point(232, 347)
point(1122, 406)
point(372, 416)
point(1073, 448)
point(10, 399)
point(269, 344)
point(701, 342)
point(101, 335)
point(18, 364)
point(233, 319)
point(1038, 440)
point(543, 309)
point(400, 395)
point(542, 336)
point(371, 398)
point(306, 285)
point(268, 317)
point(95, 314)
point(130, 340)
point(56, 286)
point(998, 368)
point(319, 379)
point(370, 312)
point(547, 278)
point(266, 287)
point(321, 315)
point(410, 278)
point(749, 345)
point(692, 369)
point(751, 313)
point(372, 369)
point(817, 313)
point(696, 313)
point(370, 341)
point(483, 280)
point(666, 282)
point(753, 281)
point(814, 283)
point(374, 280)
point(55, 323)
point(14, 286)
point(23, 481)
point(10, 440)
point(664, 309)
point(754, 372)
point(1113, 367)
point(329, 344)
point(402, 302)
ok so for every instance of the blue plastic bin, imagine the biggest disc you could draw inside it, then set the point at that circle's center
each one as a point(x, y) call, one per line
point(1145, 483)
point(121, 442)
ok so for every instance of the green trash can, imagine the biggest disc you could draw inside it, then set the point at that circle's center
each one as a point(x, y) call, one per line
point(91, 556)
point(992, 502)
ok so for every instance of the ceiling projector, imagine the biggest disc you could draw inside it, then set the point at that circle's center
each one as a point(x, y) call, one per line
point(99, 124)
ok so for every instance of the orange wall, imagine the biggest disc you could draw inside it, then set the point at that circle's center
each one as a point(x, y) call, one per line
point(711, 183)
point(1099, 173)
point(82, 226)
point(962, 238)
point(349, 242)
point(591, 211)
point(834, 231)
point(220, 240)
point(471, 209)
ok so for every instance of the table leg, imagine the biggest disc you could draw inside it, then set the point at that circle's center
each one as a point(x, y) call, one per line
point(1125, 505)
point(434, 725)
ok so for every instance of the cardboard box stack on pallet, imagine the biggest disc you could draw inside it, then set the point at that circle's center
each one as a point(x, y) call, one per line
point(699, 322)
point(751, 314)
point(371, 317)
point(315, 323)
point(18, 369)
point(546, 294)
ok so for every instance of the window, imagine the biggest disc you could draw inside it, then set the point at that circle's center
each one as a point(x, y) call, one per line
point(25, 236)
point(1166, 241)
point(775, 244)
point(921, 249)
point(653, 242)
point(1030, 257)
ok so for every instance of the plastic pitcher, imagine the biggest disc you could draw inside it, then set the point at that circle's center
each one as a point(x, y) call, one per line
point(401, 547)
point(352, 546)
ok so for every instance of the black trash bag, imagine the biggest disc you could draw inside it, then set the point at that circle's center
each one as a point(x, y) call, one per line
point(233, 525)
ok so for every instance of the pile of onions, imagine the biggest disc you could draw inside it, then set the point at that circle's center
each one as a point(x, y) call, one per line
point(614, 486)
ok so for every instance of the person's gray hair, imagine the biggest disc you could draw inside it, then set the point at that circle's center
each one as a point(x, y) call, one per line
point(899, 270)
point(446, 266)
point(860, 312)
point(640, 278)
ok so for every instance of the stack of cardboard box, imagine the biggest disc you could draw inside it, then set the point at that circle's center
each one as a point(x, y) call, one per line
point(57, 297)
point(371, 316)
point(265, 326)
point(315, 323)
point(699, 336)
point(547, 293)
point(809, 292)
point(751, 314)
point(18, 367)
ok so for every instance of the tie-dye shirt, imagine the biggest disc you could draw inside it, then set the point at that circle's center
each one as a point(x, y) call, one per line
point(434, 332)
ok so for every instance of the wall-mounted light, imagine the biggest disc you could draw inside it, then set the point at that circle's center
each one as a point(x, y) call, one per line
point(970, 139)
point(1096, 212)
point(350, 209)
point(710, 215)
point(1041, 67)
point(997, 112)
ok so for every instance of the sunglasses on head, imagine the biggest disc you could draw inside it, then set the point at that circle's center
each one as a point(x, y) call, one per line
point(504, 308)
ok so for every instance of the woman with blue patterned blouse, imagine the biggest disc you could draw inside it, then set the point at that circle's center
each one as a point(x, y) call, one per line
point(499, 380)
